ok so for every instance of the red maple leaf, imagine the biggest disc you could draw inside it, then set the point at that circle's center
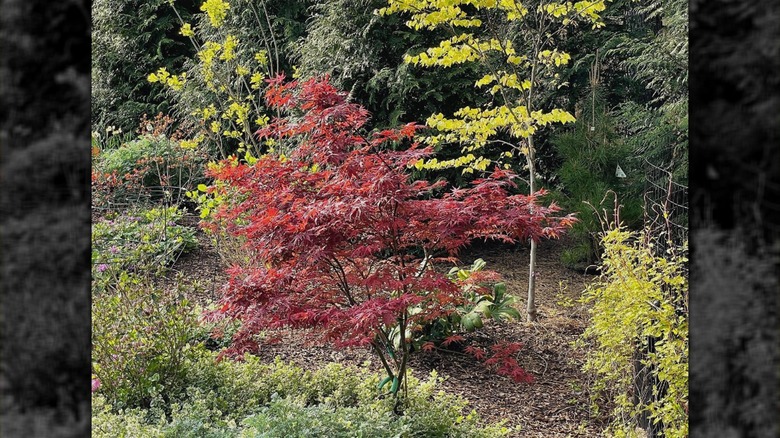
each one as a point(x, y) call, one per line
point(333, 248)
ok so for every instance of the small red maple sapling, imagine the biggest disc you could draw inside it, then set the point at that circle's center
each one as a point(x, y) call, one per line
point(337, 227)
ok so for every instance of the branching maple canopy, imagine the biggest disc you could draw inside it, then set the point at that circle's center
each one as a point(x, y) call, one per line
point(344, 239)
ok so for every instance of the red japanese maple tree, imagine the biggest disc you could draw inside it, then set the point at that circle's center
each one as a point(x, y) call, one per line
point(344, 240)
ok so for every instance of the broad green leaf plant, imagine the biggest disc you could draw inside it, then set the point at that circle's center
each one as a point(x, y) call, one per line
point(516, 43)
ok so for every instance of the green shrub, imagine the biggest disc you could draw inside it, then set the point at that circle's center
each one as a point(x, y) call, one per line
point(590, 154)
point(640, 296)
point(485, 298)
point(140, 340)
point(252, 399)
point(139, 241)
point(149, 168)
point(241, 388)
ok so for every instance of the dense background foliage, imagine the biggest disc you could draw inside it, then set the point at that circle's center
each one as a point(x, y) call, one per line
point(131, 38)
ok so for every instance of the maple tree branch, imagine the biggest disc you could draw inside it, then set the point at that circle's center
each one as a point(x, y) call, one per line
point(381, 355)
point(342, 276)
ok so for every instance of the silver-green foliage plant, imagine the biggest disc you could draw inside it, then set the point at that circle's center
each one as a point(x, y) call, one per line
point(486, 299)
point(639, 296)
point(253, 399)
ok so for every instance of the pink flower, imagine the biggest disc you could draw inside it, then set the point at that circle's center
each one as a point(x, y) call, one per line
point(95, 384)
point(102, 267)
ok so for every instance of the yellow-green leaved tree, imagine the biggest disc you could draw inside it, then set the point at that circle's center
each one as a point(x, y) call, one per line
point(517, 44)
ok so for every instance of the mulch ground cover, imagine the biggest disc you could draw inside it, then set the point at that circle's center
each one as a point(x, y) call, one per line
point(556, 404)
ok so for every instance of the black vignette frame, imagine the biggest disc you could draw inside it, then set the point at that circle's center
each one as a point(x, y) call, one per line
point(735, 193)
point(45, 225)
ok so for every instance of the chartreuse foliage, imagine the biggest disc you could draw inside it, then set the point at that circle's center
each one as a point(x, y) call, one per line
point(252, 399)
point(640, 295)
point(363, 53)
point(515, 43)
point(519, 64)
point(342, 240)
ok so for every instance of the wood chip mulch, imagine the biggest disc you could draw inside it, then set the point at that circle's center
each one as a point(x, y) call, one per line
point(556, 404)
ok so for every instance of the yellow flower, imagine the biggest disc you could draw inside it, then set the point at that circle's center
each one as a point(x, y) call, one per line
point(256, 80)
point(210, 49)
point(177, 82)
point(216, 11)
point(161, 75)
point(209, 112)
point(262, 120)
point(186, 30)
point(228, 50)
point(191, 144)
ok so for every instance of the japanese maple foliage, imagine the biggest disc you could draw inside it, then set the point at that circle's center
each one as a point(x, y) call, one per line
point(345, 240)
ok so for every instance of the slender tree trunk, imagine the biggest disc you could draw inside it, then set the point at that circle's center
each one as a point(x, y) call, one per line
point(531, 307)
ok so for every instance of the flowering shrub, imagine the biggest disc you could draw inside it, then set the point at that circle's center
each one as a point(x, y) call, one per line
point(140, 340)
point(139, 241)
point(218, 93)
point(334, 228)
point(111, 139)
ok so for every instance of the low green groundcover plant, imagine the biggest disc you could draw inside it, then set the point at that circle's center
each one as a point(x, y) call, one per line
point(138, 241)
point(253, 399)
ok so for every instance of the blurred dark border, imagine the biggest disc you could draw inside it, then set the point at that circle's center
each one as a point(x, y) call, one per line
point(44, 168)
point(45, 225)
point(735, 196)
